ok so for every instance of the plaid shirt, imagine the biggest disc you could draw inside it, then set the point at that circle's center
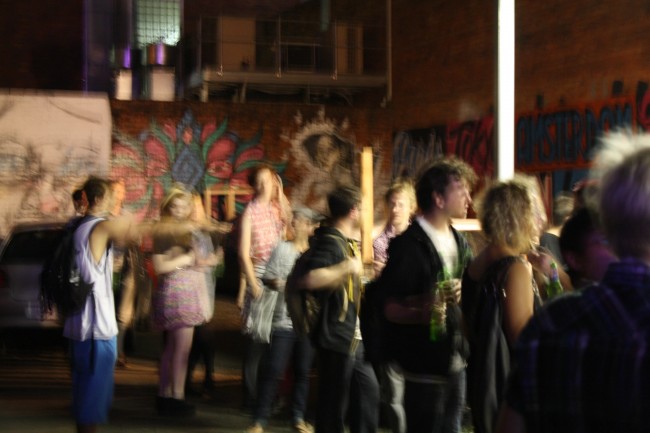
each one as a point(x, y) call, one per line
point(380, 244)
point(266, 230)
point(582, 364)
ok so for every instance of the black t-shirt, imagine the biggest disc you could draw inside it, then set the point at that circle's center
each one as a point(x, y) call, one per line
point(336, 327)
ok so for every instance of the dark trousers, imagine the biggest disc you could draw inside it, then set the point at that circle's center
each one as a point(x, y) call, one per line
point(435, 408)
point(255, 351)
point(284, 343)
point(334, 372)
point(363, 407)
point(203, 348)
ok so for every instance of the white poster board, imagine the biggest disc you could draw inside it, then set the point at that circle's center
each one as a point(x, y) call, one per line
point(49, 143)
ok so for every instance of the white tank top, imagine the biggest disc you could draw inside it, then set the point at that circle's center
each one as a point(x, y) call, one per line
point(97, 318)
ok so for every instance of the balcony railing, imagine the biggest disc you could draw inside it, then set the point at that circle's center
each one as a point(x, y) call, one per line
point(245, 49)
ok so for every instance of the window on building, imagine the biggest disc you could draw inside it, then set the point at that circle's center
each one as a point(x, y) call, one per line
point(158, 21)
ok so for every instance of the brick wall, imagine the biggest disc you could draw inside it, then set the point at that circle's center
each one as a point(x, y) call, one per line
point(567, 52)
point(367, 126)
point(442, 68)
point(42, 44)
point(280, 130)
point(443, 51)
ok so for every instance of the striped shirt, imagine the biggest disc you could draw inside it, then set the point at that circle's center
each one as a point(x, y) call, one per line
point(582, 363)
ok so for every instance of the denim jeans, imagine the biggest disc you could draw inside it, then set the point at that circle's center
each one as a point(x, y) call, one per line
point(253, 357)
point(435, 408)
point(284, 343)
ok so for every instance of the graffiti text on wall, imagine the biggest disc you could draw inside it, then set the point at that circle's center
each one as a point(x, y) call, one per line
point(564, 138)
point(471, 141)
point(412, 149)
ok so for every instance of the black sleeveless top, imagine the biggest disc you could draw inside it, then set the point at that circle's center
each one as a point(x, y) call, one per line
point(489, 360)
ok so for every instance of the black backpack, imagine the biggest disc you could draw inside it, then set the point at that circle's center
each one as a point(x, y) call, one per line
point(303, 306)
point(61, 283)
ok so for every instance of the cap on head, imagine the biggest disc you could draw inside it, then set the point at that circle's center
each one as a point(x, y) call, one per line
point(307, 213)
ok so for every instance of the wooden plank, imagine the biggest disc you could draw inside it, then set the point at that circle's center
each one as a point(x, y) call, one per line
point(367, 205)
point(231, 193)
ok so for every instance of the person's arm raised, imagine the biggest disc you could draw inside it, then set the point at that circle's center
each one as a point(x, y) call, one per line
point(332, 276)
point(118, 230)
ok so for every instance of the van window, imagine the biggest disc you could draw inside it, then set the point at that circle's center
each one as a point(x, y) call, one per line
point(32, 246)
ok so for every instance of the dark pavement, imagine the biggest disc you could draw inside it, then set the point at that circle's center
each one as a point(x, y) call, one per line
point(35, 389)
point(35, 385)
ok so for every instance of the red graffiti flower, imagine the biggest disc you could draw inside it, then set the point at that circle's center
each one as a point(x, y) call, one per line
point(187, 150)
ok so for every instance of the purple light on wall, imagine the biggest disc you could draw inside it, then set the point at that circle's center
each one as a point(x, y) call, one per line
point(127, 58)
point(160, 54)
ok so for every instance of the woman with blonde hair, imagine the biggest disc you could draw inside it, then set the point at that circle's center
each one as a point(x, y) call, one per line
point(400, 203)
point(178, 301)
point(499, 293)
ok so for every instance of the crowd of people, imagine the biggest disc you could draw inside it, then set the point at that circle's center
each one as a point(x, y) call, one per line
point(434, 327)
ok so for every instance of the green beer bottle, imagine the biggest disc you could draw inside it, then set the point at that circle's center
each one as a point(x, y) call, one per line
point(438, 325)
point(554, 286)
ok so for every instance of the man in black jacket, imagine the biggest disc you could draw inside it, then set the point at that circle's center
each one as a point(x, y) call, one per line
point(421, 286)
point(333, 270)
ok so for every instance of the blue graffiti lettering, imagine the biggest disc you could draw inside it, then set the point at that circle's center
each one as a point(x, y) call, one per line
point(523, 138)
point(567, 135)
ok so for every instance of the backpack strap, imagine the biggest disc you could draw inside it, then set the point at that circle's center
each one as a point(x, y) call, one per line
point(347, 248)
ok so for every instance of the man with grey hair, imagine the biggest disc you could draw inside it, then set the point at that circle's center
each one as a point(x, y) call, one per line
point(581, 363)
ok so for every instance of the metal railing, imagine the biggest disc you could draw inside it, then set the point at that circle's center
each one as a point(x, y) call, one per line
point(242, 44)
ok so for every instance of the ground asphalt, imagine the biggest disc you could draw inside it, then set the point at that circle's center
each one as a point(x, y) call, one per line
point(35, 390)
point(35, 385)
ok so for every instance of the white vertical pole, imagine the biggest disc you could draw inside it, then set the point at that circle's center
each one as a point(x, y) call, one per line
point(505, 99)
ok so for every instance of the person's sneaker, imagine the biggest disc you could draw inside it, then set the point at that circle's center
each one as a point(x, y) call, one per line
point(162, 404)
point(303, 427)
point(168, 406)
point(191, 390)
point(182, 408)
point(255, 428)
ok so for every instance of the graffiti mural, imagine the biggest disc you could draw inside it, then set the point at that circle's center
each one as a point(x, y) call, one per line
point(557, 143)
point(470, 141)
point(414, 148)
point(561, 142)
point(565, 138)
point(49, 144)
point(197, 155)
point(324, 152)
point(643, 105)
